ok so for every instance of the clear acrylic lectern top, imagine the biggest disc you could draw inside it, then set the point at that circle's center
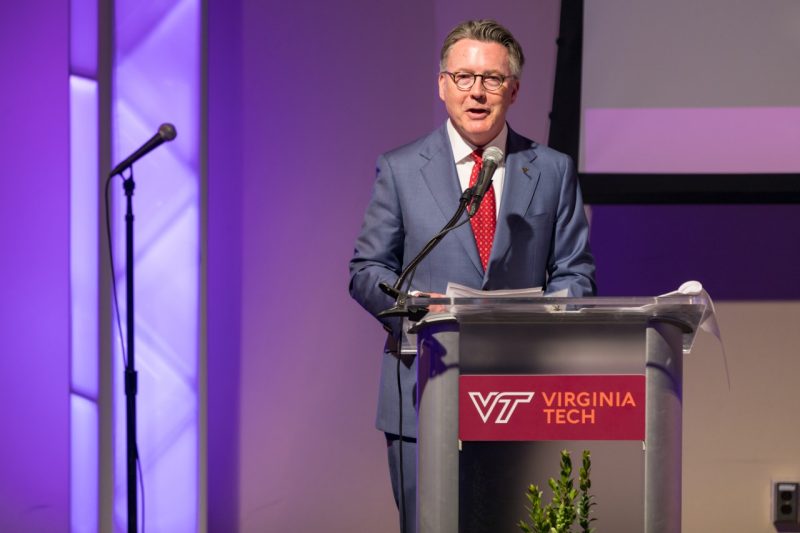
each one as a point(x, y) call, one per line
point(688, 311)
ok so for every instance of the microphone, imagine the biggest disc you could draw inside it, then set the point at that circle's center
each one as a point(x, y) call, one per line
point(166, 132)
point(491, 159)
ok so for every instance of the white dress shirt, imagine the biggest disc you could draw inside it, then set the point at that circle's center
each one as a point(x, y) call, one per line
point(464, 163)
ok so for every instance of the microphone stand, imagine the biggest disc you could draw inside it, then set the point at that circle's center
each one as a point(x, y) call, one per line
point(131, 380)
point(415, 313)
point(400, 309)
point(166, 132)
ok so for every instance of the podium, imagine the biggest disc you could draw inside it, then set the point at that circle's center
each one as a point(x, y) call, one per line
point(492, 419)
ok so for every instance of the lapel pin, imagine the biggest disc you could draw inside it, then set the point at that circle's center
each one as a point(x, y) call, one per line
point(525, 170)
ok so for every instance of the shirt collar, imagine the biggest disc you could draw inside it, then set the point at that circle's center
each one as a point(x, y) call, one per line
point(462, 149)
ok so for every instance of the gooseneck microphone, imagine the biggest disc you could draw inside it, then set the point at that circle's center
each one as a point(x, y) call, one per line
point(166, 132)
point(492, 157)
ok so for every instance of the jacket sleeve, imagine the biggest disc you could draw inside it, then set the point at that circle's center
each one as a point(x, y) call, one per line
point(572, 264)
point(378, 254)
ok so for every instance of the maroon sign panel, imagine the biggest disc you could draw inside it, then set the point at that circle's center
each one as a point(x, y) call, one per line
point(519, 408)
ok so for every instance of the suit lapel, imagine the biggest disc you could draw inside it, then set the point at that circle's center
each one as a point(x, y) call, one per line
point(521, 179)
point(439, 174)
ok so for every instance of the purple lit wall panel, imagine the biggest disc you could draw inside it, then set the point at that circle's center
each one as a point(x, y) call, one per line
point(156, 79)
point(736, 140)
point(167, 435)
point(136, 20)
point(161, 179)
point(34, 270)
point(165, 293)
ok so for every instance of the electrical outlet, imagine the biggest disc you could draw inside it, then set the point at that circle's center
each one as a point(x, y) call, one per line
point(785, 512)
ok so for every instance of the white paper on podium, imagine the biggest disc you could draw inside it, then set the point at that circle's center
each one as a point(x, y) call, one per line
point(456, 290)
point(708, 322)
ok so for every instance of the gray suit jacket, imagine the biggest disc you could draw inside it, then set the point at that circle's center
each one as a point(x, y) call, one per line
point(541, 239)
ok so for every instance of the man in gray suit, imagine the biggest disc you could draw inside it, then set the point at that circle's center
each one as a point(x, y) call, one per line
point(530, 229)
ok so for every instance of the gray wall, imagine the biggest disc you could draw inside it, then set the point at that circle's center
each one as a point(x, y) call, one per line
point(738, 440)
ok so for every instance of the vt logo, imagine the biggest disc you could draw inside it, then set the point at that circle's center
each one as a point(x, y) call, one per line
point(508, 403)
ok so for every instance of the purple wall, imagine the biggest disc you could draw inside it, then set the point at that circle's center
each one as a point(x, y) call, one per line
point(738, 252)
point(34, 270)
point(535, 25)
point(327, 87)
point(224, 265)
point(302, 98)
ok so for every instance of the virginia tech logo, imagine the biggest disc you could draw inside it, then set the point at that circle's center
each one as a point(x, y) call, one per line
point(508, 403)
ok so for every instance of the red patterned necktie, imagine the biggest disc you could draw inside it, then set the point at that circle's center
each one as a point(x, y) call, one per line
point(485, 220)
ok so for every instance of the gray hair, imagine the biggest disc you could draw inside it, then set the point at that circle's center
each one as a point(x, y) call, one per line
point(487, 31)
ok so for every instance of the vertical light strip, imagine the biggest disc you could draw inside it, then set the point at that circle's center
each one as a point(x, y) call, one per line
point(83, 235)
point(83, 465)
point(84, 473)
point(202, 315)
point(156, 79)
point(84, 284)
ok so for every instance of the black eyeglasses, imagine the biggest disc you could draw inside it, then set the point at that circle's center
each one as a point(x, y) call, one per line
point(465, 80)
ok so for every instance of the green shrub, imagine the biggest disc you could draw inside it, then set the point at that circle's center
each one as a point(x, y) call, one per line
point(560, 514)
